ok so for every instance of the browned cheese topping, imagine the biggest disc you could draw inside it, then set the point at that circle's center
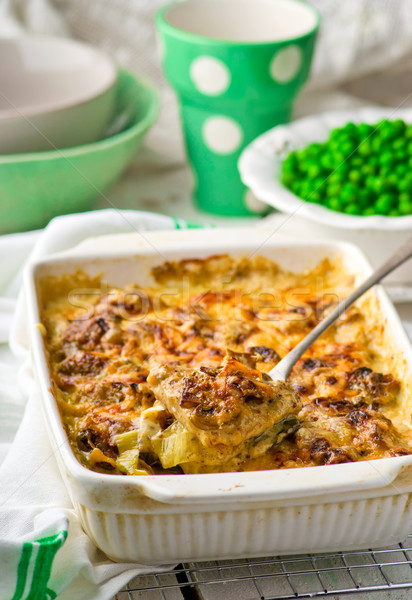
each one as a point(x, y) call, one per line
point(172, 377)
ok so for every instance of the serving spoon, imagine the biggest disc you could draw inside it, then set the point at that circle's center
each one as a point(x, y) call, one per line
point(283, 368)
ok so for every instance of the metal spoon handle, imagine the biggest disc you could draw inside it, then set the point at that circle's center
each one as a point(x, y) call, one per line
point(283, 368)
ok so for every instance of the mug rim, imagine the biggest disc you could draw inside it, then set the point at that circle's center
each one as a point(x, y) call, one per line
point(188, 36)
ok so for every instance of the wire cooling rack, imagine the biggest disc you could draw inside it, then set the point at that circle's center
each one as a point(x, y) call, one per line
point(281, 578)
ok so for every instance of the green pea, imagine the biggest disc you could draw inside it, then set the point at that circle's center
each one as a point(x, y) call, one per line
point(334, 204)
point(399, 143)
point(312, 156)
point(405, 208)
point(383, 205)
point(365, 198)
point(334, 145)
point(382, 123)
point(365, 130)
point(377, 145)
point(335, 177)
point(356, 162)
point(380, 185)
point(311, 198)
point(405, 184)
point(388, 200)
point(350, 128)
point(326, 160)
point(369, 182)
point(319, 183)
point(296, 187)
point(367, 170)
point(287, 179)
point(384, 173)
point(399, 126)
point(391, 182)
point(334, 189)
point(374, 161)
point(313, 148)
point(365, 148)
point(352, 209)
point(392, 179)
point(404, 197)
point(342, 168)
point(348, 194)
point(287, 168)
point(305, 189)
point(302, 193)
point(348, 148)
point(387, 158)
point(315, 197)
point(400, 156)
point(314, 170)
point(335, 133)
point(387, 132)
point(339, 158)
point(290, 160)
point(304, 163)
point(301, 155)
point(354, 176)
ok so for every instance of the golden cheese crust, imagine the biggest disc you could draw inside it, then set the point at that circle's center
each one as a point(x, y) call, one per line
point(101, 351)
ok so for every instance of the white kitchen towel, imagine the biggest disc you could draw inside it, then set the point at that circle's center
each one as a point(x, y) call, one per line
point(43, 550)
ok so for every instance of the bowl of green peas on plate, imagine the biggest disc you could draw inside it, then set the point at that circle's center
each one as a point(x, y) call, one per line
point(343, 175)
point(360, 169)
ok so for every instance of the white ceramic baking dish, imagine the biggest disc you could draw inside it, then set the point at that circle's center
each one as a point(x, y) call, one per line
point(162, 518)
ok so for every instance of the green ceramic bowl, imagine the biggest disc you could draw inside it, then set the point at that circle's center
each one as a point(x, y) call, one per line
point(38, 186)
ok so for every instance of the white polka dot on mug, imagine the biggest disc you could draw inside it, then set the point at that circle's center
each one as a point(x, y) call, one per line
point(222, 135)
point(210, 76)
point(285, 64)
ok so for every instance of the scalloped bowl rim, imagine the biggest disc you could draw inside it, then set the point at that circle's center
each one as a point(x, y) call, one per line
point(260, 163)
point(131, 131)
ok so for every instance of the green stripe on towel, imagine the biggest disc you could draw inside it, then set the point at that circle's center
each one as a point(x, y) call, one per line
point(22, 570)
point(47, 548)
point(183, 224)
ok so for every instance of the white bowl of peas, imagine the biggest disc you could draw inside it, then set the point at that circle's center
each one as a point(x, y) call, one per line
point(345, 174)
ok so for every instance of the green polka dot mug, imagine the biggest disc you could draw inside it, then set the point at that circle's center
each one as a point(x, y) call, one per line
point(236, 66)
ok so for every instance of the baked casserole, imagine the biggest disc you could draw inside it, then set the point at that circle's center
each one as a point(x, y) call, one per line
point(171, 378)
